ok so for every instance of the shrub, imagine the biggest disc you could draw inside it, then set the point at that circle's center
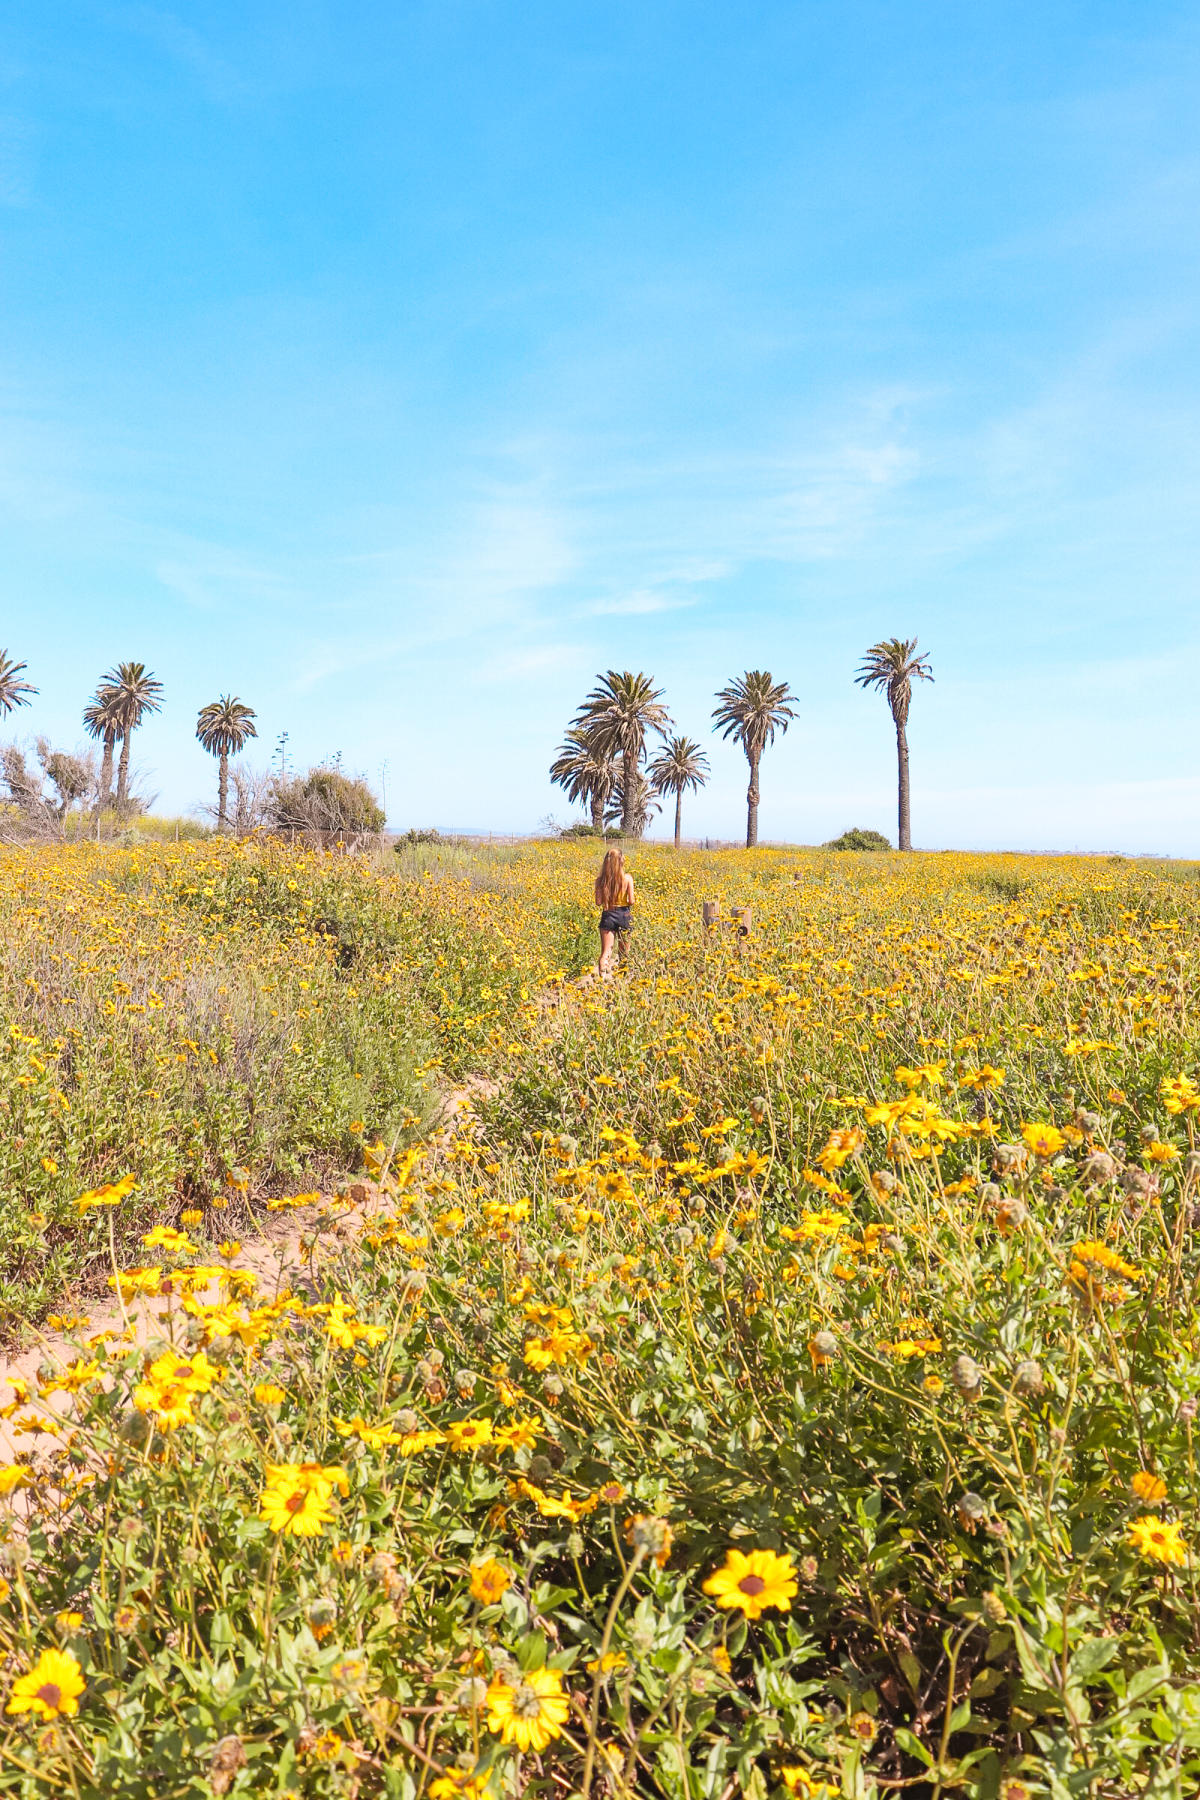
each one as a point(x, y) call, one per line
point(858, 839)
point(324, 801)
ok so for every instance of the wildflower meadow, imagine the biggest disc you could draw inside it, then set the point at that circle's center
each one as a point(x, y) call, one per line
point(772, 1371)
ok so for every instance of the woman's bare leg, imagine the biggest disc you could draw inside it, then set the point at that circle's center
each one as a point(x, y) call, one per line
point(606, 944)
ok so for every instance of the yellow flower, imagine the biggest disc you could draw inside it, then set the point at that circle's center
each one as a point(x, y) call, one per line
point(375, 1437)
point(1158, 1540)
point(267, 1394)
point(753, 1582)
point(297, 1512)
point(489, 1580)
point(469, 1434)
point(170, 1404)
point(1179, 1094)
point(15, 1475)
point(110, 1194)
point(1043, 1140)
point(797, 1780)
point(529, 1713)
point(165, 1237)
point(51, 1688)
point(413, 1443)
point(195, 1374)
point(985, 1076)
point(68, 1621)
point(840, 1147)
point(296, 1497)
point(457, 1784)
point(1088, 1261)
point(50, 1165)
point(1157, 1152)
point(1150, 1489)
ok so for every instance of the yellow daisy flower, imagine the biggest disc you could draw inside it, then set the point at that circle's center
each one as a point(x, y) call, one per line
point(753, 1582)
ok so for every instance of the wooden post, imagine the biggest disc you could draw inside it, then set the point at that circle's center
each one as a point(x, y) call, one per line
point(743, 919)
point(711, 913)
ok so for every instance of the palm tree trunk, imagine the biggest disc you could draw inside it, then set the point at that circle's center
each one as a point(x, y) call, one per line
point(222, 790)
point(597, 810)
point(678, 813)
point(123, 773)
point(904, 821)
point(752, 806)
point(628, 794)
point(104, 789)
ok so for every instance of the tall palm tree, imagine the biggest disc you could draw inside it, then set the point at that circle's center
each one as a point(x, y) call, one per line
point(616, 716)
point(752, 709)
point(13, 691)
point(681, 764)
point(137, 693)
point(894, 665)
point(102, 716)
point(224, 727)
point(586, 774)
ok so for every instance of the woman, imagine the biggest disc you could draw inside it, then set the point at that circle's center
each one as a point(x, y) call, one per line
point(614, 897)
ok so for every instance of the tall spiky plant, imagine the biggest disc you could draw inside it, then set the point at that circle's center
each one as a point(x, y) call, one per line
point(135, 694)
point(679, 765)
point(13, 691)
point(752, 709)
point(616, 716)
point(586, 774)
point(224, 727)
point(893, 665)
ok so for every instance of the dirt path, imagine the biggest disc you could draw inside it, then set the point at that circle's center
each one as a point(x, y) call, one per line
point(275, 1255)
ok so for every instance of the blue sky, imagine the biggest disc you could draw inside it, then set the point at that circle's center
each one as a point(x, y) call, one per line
point(398, 366)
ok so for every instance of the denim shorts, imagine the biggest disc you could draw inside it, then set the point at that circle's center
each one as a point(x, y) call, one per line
point(616, 918)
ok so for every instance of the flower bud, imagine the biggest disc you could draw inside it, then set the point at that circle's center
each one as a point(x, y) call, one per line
point(967, 1377)
point(972, 1510)
point(1011, 1214)
point(1028, 1377)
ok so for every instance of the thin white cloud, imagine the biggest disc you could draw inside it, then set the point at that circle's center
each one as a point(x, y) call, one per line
point(643, 600)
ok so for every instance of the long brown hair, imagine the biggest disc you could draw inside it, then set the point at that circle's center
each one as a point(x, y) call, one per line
point(610, 882)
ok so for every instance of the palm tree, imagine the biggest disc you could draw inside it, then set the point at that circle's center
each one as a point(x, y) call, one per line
point(136, 693)
point(639, 811)
point(752, 709)
point(616, 716)
point(224, 727)
point(893, 665)
point(102, 716)
point(586, 774)
point(13, 691)
point(680, 765)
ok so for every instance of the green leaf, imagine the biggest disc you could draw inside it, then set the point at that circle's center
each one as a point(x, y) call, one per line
point(909, 1742)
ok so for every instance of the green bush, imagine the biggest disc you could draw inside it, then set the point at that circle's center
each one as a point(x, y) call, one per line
point(858, 839)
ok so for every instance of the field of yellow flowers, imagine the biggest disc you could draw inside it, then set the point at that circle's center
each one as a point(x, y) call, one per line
point(778, 1377)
